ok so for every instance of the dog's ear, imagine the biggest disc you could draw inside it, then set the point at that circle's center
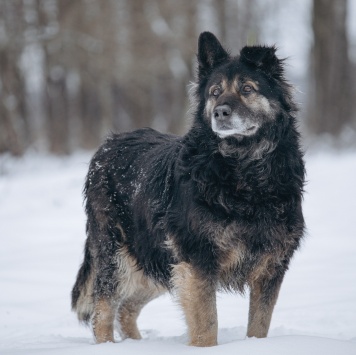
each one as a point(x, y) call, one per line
point(263, 58)
point(210, 54)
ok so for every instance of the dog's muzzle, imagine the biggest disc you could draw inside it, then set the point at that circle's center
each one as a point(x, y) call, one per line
point(225, 122)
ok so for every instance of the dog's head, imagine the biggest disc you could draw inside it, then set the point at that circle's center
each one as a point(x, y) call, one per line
point(241, 96)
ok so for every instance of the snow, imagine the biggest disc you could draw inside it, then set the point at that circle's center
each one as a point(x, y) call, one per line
point(42, 232)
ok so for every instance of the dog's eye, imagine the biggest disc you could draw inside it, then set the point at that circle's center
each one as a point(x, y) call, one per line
point(216, 92)
point(247, 89)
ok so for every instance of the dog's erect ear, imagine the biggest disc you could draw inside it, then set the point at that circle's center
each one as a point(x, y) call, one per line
point(210, 54)
point(263, 58)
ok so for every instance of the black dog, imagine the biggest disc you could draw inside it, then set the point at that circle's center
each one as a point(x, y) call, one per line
point(219, 208)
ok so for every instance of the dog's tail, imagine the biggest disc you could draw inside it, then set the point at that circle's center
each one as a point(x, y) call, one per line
point(82, 293)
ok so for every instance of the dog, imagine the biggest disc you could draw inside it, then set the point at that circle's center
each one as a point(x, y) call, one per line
point(219, 208)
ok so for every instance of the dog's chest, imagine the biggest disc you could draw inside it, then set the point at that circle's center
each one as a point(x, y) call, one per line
point(241, 266)
point(243, 258)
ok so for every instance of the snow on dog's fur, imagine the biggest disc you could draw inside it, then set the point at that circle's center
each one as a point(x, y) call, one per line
point(218, 208)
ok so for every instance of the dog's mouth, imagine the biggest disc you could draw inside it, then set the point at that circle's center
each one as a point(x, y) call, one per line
point(235, 126)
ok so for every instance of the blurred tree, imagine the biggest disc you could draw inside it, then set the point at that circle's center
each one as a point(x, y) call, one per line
point(222, 13)
point(331, 89)
point(55, 70)
point(13, 122)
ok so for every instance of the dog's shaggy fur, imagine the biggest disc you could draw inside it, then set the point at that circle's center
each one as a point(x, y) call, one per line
point(216, 209)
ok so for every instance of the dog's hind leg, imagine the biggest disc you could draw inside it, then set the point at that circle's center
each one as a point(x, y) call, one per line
point(136, 290)
point(106, 297)
point(263, 297)
point(127, 315)
point(130, 309)
point(103, 320)
point(95, 300)
point(198, 299)
point(106, 293)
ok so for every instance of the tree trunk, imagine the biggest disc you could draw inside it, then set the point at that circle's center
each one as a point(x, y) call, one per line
point(14, 131)
point(221, 12)
point(58, 120)
point(330, 106)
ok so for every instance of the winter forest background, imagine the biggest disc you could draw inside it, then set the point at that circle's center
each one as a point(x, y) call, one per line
point(71, 71)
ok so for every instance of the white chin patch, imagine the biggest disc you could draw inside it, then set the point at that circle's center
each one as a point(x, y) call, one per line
point(226, 132)
point(235, 126)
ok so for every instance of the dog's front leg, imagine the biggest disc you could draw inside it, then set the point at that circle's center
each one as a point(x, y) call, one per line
point(263, 297)
point(198, 299)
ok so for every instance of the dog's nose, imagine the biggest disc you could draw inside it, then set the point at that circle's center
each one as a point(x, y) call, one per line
point(222, 112)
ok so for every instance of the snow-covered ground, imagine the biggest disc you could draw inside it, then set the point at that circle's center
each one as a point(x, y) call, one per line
point(41, 241)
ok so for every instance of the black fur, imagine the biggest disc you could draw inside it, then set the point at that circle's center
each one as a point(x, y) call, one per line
point(145, 186)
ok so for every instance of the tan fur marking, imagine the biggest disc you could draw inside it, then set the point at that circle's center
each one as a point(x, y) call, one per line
point(231, 259)
point(171, 245)
point(261, 269)
point(119, 227)
point(209, 107)
point(103, 321)
point(265, 267)
point(198, 301)
point(259, 103)
point(224, 84)
point(234, 87)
